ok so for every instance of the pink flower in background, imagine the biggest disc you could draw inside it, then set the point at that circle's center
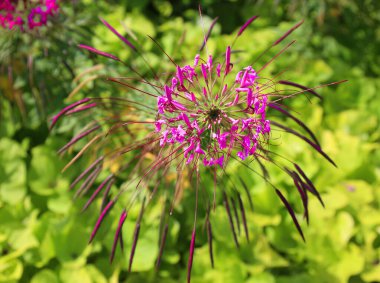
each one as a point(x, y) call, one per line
point(26, 14)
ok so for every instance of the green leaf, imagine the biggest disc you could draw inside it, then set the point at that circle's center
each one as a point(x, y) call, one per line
point(12, 171)
point(81, 274)
point(11, 270)
point(262, 278)
point(45, 276)
point(44, 176)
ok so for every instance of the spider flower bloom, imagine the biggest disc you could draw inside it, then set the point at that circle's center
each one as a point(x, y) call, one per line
point(209, 119)
point(33, 14)
point(205, 115)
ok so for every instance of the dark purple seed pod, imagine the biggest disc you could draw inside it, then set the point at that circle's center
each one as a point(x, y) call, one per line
point(208, 34)
point(162, 245)
point(118, 234)
point(191, 256)
point(98, 52)
point(66, 109)
point(291, 212)
point(114, 31)
point(103, 214)
point(228, 210)
point(209, 240)
point(288, 32)
point(247, 23)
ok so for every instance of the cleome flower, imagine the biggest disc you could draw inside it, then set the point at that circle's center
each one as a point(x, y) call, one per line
point(211, 120)
point(26, 14)
point(195, 122)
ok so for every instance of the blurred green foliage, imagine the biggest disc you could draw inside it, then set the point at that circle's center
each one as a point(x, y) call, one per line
point(43, 235)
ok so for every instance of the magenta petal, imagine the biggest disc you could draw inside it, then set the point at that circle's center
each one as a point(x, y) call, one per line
point(179, 75)
point(228, 60)
point(204, 71)
point(179, 105)
point(220, 161)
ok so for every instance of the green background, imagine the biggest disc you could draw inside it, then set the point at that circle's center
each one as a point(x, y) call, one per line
point(43, 235)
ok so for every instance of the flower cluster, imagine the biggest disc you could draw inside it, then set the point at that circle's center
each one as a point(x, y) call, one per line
point(205, 115)
point(209, 118)
point(33, 14)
